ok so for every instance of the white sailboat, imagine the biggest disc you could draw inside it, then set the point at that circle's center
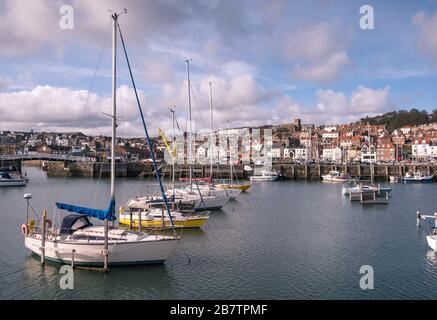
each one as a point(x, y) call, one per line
point(233, 189)
point(431, 238)
point(201, 195)
point(78, 241)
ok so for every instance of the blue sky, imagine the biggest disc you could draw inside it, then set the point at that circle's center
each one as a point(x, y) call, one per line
point(268, 61)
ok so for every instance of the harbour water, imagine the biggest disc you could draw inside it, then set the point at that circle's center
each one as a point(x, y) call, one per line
point(280, 240)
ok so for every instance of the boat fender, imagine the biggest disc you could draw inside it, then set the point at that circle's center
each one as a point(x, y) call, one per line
point(25, 229)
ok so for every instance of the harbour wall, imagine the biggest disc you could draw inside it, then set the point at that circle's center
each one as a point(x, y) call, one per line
point(290, 171)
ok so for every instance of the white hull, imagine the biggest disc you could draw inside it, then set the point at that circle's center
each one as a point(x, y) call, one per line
point(211, 203)
point(419, 179)
point(264, 178)
point(334, 179)
point(432, 240)
point(232, 193)
point(91, 254)
point(347, 190)
point(12, 182)
point(211, 199)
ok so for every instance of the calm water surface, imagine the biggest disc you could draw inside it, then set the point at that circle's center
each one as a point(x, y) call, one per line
point(280, 240)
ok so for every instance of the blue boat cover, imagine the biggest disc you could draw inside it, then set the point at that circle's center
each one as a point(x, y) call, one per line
point(108, 214)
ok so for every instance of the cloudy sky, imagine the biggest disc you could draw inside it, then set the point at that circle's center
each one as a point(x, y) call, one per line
point(268, 62)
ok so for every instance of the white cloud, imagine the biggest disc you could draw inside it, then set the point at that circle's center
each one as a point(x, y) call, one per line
point(317, 55)
point(426, 37)
point(238, 99)
point(47, 107)
point(330, 102)
point(326, 70)
point(363, 101)
point(26, 26)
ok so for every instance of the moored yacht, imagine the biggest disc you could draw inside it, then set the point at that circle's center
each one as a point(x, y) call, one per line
point(336, 176)
point(78, 240)
point(141, 212)
point(266, 175)
point(8, 179)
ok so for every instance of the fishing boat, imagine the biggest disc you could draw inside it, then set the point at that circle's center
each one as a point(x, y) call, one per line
point(417, 177)
point(8, 179)
point(265, 175)
point(79, 241)
point(336, 176)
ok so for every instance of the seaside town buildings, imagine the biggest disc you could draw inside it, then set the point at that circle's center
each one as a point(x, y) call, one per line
point(292, 142)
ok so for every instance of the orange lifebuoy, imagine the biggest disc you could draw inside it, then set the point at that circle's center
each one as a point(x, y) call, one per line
point(25, 229)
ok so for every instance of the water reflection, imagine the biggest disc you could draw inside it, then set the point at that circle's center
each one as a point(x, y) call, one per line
point(127, 282)
point(431, 257)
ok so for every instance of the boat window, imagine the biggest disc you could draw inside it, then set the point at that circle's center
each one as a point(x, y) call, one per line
point(90, 238)
point(80, 223)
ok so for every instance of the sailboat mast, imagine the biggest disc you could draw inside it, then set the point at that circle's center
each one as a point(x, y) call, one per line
point(189, 121)
point(230, 157)
point(114, 110)
point(212, 128)
point(173, 148)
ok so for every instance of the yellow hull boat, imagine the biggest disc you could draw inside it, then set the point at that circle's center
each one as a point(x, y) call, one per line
point(157, 222)
point(226, 186)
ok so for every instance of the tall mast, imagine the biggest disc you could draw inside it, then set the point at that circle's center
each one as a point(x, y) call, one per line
point(212, 128)
point(189, 121)
point(114, 107)
point(173, 147)
point(230, 157)
point(114, 110)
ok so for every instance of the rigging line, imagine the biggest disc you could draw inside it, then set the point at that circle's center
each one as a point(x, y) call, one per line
point(98, 185)
point(198, 108)
point(146, 131)
point(200, 193)
point(97, 66)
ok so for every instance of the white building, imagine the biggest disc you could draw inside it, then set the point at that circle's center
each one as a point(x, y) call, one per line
point(420, 149)
point(405, 130)
point(368, 153)
point(330, 128)
point(433, 152)
point(333, 154)
point(330, 135)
